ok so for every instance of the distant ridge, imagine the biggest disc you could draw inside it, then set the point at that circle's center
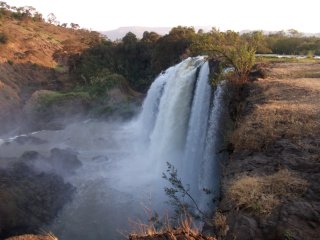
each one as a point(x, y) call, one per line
point(119, 33)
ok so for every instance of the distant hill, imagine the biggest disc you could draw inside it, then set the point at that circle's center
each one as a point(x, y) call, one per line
point(138, 31)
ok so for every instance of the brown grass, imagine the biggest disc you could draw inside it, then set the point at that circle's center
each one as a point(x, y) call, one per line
point(48, 236)
point(283, 108)
point(261, 194)
point(185, 231)
point(221, 225)
point(36, 42)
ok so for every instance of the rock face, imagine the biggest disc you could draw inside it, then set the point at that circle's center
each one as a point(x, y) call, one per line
point(278, 129)
point(29, 199)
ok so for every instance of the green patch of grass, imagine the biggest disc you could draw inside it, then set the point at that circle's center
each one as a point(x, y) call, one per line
point(51, 98)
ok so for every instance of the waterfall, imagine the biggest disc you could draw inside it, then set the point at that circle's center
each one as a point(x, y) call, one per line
point(181, 121)
point(169, 134)
point(212, 155)
point(197, 128)
point(150, 106)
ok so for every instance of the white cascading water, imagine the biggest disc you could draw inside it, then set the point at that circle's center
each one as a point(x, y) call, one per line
point(169, 135)
point(180, 123)
point(213, 155)
point(150, 107)
point(197, 130)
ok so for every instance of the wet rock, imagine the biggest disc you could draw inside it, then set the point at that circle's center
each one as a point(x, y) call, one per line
point(61, 161)
point(29, 199)
point(64, 160)
point(29, 140)
point(29, 156)
point(100, 158)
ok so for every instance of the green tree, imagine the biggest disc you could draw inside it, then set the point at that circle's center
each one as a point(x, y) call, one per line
point(172, 48)
point(230, 48)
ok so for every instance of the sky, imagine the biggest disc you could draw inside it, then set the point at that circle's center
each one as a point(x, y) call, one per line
point(102, 15)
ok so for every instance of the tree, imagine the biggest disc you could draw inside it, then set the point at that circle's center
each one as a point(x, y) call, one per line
point(74, 25)
point(172, 48)
point(4, 5)
point(150, 37)
point(129, 38)
point(230, 48)
point(52, 19)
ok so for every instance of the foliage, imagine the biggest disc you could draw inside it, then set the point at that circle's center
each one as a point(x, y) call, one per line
point(177, 193)
point(19, 13)
point(172, 48)
point(230, 48)
point(292, 42)
point(103, 81)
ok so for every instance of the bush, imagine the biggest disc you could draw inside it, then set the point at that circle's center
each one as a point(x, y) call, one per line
point(104, 81)
point(3, 38)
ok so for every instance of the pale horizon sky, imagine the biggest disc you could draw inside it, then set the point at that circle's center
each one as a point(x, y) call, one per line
point(271, 15)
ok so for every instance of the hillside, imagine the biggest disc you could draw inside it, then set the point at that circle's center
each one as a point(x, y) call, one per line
point(270, 185)
point(34, 56)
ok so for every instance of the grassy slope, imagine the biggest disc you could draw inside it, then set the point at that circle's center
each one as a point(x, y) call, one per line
point(29, 62)
point(270, 184)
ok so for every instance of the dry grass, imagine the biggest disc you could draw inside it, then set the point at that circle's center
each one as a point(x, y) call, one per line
point(221, 225)
point(283, 108)
point(185, 231)
point(261, 194)
point(48, 236)
point(307, 69)
point(38, 41)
